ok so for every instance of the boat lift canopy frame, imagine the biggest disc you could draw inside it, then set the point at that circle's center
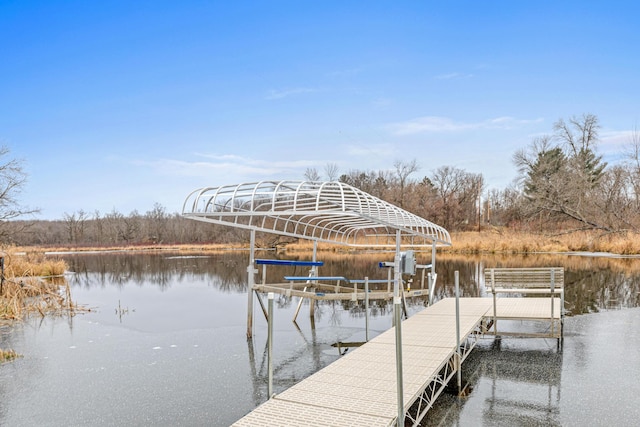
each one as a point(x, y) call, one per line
point(331, 212)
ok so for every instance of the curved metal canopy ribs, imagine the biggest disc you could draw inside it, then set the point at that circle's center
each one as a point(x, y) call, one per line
point(331, 212)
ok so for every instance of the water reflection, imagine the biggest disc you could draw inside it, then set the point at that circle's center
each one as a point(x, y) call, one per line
point(179, 354)
point(512, 383)
point(591, 284)
point(225, 271)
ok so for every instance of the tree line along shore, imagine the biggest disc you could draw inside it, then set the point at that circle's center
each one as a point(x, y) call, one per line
point(563, 188)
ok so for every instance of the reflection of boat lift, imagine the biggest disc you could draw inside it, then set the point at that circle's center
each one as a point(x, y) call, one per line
point(259, 371)
point(339, 288)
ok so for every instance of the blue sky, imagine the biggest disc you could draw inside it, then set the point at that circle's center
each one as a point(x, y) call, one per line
point(120, 104)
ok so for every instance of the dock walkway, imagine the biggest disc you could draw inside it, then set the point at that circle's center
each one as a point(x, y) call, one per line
point(360, 387)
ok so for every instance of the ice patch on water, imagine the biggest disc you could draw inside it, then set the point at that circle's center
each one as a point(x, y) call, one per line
point(157, 348)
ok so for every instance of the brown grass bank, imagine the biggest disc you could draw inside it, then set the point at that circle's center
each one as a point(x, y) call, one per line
point(492, 241)
point(508, 241)
point(504, 241)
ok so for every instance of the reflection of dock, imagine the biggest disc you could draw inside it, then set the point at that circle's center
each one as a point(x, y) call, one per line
point(535, 398)
point(360, 388)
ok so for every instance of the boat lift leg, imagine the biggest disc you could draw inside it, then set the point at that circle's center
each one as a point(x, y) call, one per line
point(295, 316)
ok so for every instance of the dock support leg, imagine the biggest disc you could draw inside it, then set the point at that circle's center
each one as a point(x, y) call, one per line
point(366, 309)
point(495, 309)
point(458, 352)
point(553, 295)
point(251, 271)
point(397, 307)
point(397, 311)
point(270, 347)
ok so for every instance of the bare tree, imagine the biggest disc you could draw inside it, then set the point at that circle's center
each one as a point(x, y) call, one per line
point(12, 181)
point(632, 154)
point(448, 182)
point(331, 170)
point(157, 221)
point(311, 174)
point(403, 170)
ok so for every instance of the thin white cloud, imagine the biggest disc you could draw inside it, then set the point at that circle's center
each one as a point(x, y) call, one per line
point(452, 76)
point(258, 163)
point(228, 166)
point(432, 124)
point(285, 93)
point(616, 138)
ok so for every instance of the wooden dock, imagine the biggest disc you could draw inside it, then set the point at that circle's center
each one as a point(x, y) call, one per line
point(360, 387)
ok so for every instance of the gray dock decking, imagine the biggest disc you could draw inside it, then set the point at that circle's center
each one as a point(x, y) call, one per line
point(360, 387)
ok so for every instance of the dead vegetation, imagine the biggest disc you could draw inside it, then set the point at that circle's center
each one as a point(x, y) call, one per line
point(32, 285)
point(8, 355)
point(494, 240)
point(507, 241)
point(511, 242)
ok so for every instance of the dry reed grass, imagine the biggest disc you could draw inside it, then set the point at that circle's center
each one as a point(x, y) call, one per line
point(8, 355)
point(33, 284)
point(500, 241)
point(511, 242)
point(188, 248)
point(32, 263)
point(492, 241)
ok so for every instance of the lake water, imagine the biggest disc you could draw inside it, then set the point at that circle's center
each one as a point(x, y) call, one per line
point(164, 344)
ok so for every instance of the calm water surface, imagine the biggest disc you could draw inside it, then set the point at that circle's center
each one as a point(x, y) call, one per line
point(164, 344)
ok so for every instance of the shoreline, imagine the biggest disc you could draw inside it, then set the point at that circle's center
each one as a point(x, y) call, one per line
point(494, 241)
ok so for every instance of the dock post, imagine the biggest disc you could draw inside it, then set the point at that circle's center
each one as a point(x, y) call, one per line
point(433, 256)
point(553, 295)
point(495, 310)
point(397, 310)
point(366, 309)
point(251, 271)
point(2, 255)
point(270, 347)
point(458, 352)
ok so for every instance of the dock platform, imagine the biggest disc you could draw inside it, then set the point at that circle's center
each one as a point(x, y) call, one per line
point(360, 387)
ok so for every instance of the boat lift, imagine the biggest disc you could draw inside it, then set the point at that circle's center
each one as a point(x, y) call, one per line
point(328, 212)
